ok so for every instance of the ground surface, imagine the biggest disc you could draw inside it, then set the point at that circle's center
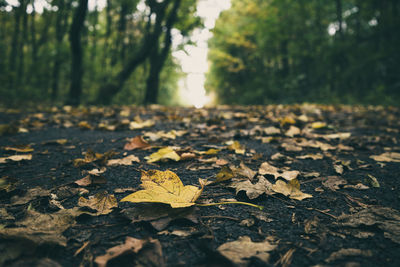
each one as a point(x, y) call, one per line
point(345, 158)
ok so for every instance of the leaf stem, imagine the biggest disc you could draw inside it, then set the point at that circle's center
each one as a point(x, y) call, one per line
point(231, 202)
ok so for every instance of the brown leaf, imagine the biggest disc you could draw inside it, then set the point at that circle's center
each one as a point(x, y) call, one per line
point(42, 228)
point(160, 216)
point(91, 180)
point(387, 157)
point(241, 250)
point(102, 202)
point(31, 194)
point(149, 248)
point(127, 161)
point(348, 252)
point(253, 190)
point(136, 143)
point(16, 158)
point(268, 169)
point(291, 189)
point(387, 219)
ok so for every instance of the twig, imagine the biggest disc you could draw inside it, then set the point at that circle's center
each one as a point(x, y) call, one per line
point(220, 217)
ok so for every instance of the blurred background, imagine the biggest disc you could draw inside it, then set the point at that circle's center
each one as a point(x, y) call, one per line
point(199, 52)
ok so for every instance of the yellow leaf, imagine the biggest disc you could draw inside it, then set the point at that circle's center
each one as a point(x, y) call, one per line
point(236, 146)
point(291, 189)
point(22, 149)
point(165, 187)
point(318, 125)
point(163, 153)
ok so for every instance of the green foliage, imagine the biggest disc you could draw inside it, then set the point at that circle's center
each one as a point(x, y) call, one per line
point(35, 55)
point(285, 51)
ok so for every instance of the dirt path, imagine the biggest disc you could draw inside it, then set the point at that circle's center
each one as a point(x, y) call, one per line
point(327, 179)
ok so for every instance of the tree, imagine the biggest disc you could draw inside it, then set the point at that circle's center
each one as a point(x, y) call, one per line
point(75, 90)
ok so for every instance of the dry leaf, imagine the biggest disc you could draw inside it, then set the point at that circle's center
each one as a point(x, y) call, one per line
point(236, 146)
point(16, 158)
point(334, 182)
point(102, 202)
point(387, 157)
point(136, 143)
point(42, 228)
point(293, 130)
point(140, 124)
point(165, 187)
point(241, 250)
point(224, 174)
point(311, 156)
point(91, 156)
point(245, 171)
point(386, 219)
point(253, 190)
point(31, 194)
point(271, 130)
point(91, 180)
point(150, 248)
point(127, 161)
point(290, 189)
point(268, 169)
point(21, 149)
point(348, 252)
point(160, 216)
point(163, 153)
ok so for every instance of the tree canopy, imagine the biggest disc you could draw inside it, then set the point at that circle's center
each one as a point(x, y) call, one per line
point(286, 51)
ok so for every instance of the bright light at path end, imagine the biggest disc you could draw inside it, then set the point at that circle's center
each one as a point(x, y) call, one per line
point(194, 63)
point(192, 90)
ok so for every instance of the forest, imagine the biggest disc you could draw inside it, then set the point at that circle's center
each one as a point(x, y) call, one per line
point(293, 161)
point(261, 52)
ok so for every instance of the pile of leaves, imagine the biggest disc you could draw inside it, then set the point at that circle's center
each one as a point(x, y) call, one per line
point(242, 186)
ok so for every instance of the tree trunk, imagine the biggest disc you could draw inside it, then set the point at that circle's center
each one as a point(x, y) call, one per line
point(158, 59)
point(75, 90)
point(109, 90)
point(339, 16)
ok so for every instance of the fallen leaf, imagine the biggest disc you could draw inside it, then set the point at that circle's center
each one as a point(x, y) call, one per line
point(271, 130)
point(138, 123)
point(42, 228)
point(16, 158)
point(165, 187)
point(150, 248)
point(136, 143)
point(334, 182)
point(386, 219)
point(290, 189)
point(373, 181)
point(268, 169)
point(91, 156)
point(224, 174)
point(8, 184)
point(31, 194)
point(236, 146)
point(91, 180)
point(241, 250)
point(127, 161)
point(253, 190)
point(101, 202)
point(21, 149)
point(311, 156)
point(348, 252)
point(160, 216)
point(163, 153)
point(244, 171)
point(293, 130)
point(85, 125)
point(318, 125)
point(387, 157)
